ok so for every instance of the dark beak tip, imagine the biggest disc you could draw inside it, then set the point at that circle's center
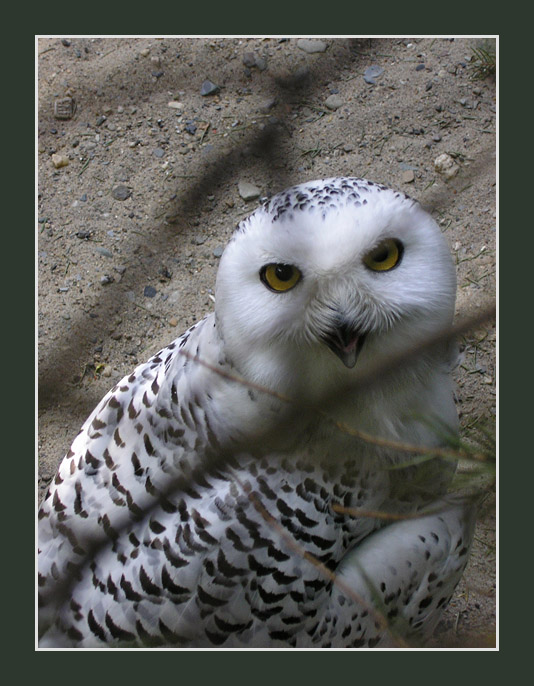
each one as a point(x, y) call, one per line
point(348, 358)
point(346, 343)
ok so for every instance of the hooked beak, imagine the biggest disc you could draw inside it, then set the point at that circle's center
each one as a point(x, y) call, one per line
point(346, 342)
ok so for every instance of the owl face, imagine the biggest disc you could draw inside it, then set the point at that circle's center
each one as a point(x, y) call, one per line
point(333, 272)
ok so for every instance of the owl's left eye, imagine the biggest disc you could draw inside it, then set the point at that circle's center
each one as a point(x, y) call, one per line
point(385, 256)
point(280, 277)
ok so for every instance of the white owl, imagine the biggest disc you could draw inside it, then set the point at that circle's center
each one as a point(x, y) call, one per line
point(199, 506)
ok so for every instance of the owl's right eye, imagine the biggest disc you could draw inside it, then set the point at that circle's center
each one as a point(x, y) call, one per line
point(280, 277)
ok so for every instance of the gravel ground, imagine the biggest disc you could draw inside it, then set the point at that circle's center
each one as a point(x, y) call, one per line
point(143, 177)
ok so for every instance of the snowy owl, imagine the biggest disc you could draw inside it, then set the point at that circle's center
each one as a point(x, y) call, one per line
point(239, 490)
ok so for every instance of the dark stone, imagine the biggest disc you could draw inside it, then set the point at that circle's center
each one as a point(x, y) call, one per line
point(121, 192)
point(209, 88)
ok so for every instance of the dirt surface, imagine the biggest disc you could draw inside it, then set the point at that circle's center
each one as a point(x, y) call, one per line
point(138, 194)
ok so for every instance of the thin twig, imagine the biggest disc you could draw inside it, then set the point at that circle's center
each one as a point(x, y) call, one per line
point(387, 516)
point(386, 367)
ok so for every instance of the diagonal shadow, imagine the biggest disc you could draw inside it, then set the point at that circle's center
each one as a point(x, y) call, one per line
point(265, 145)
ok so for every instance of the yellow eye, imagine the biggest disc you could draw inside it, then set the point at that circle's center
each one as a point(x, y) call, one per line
point(280, 277)
point(385, 256)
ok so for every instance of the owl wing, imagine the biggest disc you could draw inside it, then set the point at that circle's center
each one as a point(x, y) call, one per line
point(148, 432)
point(403, 575)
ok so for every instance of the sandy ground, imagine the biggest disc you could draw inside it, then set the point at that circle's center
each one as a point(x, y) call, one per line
point(139, 192)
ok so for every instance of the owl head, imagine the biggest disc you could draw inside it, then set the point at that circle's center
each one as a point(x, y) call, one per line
point(328, 276)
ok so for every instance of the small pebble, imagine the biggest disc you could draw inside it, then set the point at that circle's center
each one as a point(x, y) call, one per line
point(333, 102)
point(175, 104)
point(446, 166)
point(149, 292)
point(104, 252)
point(105, 280)
point(408, 176)
point(121, 192)
point(218, 251)
point(159, 152)
point(311, 45)
point(248, 191)
point(371, 73)
point(209, 88)
point(59, 160)
point(249, 59)
point(173, 321)
point(64, 108)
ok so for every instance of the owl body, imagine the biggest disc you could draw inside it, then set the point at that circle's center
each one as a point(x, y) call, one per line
point(197, 505)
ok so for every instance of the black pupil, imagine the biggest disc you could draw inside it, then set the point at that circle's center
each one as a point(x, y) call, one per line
point(283, 272)
point(381, 255)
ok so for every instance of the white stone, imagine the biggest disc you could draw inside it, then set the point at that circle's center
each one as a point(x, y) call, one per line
point(446, 166)
point(310, 45)
point(59, 160)
point(333, 102)
point(248, 191)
